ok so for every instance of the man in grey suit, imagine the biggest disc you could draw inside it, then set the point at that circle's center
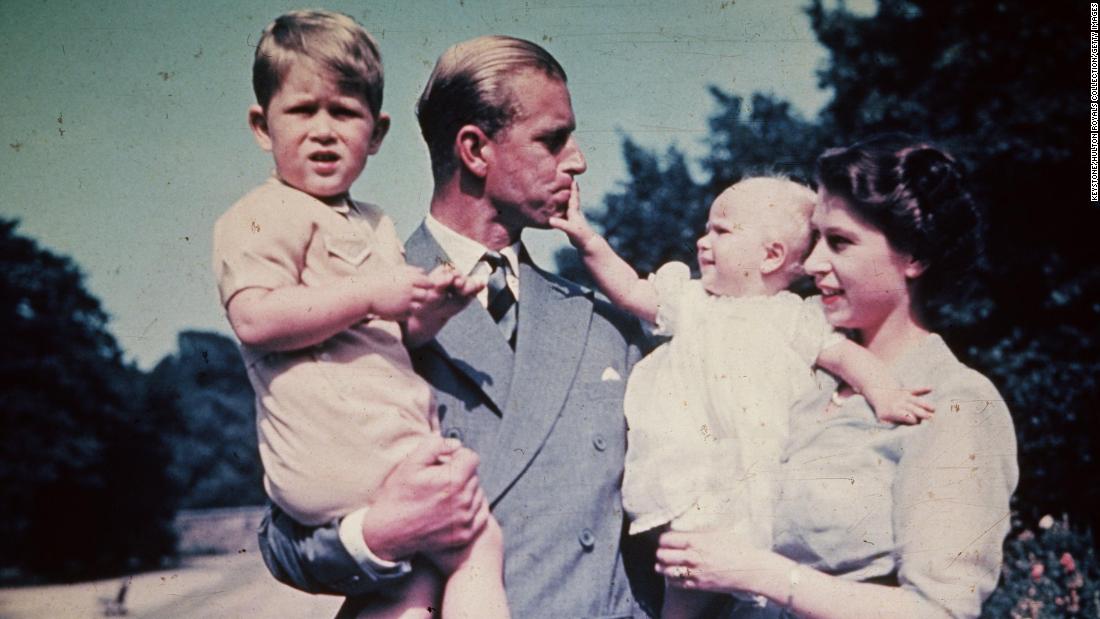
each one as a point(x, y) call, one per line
point(531, 377)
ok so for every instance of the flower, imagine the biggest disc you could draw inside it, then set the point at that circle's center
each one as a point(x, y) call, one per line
point(1067, 562)
point(1036, 571)
point(1046, 522)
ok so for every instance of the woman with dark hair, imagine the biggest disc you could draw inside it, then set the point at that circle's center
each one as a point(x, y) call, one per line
point(875, 519)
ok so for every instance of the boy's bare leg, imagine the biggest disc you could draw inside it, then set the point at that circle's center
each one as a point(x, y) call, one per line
point(681, 604)
point(475, 587)
point(419, 598)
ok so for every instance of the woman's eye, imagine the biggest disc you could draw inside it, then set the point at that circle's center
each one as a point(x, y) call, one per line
point(836, 242)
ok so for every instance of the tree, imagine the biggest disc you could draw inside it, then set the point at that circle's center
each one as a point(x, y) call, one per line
point(215, 461)
point(1000, 83)
point(997, 81)
point(82, 466)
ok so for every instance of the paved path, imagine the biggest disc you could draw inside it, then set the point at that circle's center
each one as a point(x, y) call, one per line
point(225, 586)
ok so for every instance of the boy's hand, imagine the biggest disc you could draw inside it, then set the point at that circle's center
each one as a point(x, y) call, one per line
point(399, 291)
point(450, 293)
point(901, 406)
point(574, 224)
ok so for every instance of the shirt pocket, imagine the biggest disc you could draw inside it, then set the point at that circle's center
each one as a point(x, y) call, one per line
point(352, 250)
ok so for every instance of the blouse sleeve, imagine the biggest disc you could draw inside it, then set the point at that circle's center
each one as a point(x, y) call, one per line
point(673, 283)
point(812, 332)
point(951, 496)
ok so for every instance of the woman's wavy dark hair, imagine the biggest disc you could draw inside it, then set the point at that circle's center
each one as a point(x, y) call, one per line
point(914, 193)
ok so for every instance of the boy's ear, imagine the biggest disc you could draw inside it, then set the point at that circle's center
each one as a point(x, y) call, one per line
point(381, 128)
point(775, 256)
point(258, 122)
point(473, 149)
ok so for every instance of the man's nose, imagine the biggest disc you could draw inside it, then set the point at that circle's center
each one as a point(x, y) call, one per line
point(574, 162)
point(703, 242)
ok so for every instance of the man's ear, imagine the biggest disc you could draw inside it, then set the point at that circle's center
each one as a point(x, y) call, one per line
point(914, 268)
point(381, 128)
point(473, 149)
point(258, 122)
point(775, 256)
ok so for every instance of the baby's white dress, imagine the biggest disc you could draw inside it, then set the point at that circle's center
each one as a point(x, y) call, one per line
point(707, 412)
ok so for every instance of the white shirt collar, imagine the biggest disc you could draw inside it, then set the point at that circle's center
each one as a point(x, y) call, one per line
point(464, 252)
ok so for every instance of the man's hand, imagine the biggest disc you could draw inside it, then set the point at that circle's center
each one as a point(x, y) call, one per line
point(450, 293)
point(574, 224)
point(431, 503)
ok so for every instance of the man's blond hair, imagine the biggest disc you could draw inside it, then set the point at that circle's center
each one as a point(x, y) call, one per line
point(470, 86)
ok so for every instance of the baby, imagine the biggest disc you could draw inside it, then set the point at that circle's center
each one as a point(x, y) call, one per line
point(708, 410)
point(315, 284)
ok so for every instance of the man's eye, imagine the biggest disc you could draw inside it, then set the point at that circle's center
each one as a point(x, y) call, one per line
point(555, 142)
point(345, 112)
point(836, 242)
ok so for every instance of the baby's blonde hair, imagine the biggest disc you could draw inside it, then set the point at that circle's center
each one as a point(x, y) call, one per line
point(785, 209)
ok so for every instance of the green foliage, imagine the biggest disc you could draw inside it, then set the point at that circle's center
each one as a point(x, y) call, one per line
point(1049, 575)
point(215, 461)
point(82, 465)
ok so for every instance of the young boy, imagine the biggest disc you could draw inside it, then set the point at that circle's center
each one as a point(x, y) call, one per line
point(314, 285)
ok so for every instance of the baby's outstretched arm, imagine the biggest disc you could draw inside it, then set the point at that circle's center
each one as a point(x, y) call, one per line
point(617, 279)
point(868, 375)
point(296, 317)
point(451, 291)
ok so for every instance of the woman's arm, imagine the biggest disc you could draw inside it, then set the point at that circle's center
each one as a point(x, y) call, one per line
point(717, 561)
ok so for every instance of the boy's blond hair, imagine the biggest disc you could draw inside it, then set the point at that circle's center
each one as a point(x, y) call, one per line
point(333, 40)
point(785, 208)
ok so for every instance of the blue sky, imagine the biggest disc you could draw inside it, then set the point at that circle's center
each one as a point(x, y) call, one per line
point(124, 133)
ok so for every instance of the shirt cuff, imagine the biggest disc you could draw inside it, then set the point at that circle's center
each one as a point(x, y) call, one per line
point(351, 536)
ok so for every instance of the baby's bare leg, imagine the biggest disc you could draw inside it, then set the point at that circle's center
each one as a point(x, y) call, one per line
point(475, 587)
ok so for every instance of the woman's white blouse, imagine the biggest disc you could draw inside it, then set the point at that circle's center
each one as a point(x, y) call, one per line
point(927, 504)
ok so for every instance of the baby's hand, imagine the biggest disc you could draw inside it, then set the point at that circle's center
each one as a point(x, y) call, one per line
point(902, 406)
point(399, 291)
point(574, 224)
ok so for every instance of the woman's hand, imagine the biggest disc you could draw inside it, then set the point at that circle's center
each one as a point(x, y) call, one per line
point(720, 561)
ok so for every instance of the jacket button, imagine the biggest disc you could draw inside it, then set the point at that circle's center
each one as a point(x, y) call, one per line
point(441, 409)
point(453, 433)
point(599, 443)
point(587, 540)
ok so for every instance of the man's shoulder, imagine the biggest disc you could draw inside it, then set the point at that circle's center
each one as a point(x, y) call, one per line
point(602, 309)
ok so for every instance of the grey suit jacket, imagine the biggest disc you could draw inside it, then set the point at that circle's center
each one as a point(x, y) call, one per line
point(548, 424)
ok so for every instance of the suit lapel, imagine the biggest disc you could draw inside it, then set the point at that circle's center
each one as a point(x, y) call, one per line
point(470, 340)
point(553, 329)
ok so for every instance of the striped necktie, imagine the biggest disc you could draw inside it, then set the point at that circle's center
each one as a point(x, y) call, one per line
point(502, 303)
